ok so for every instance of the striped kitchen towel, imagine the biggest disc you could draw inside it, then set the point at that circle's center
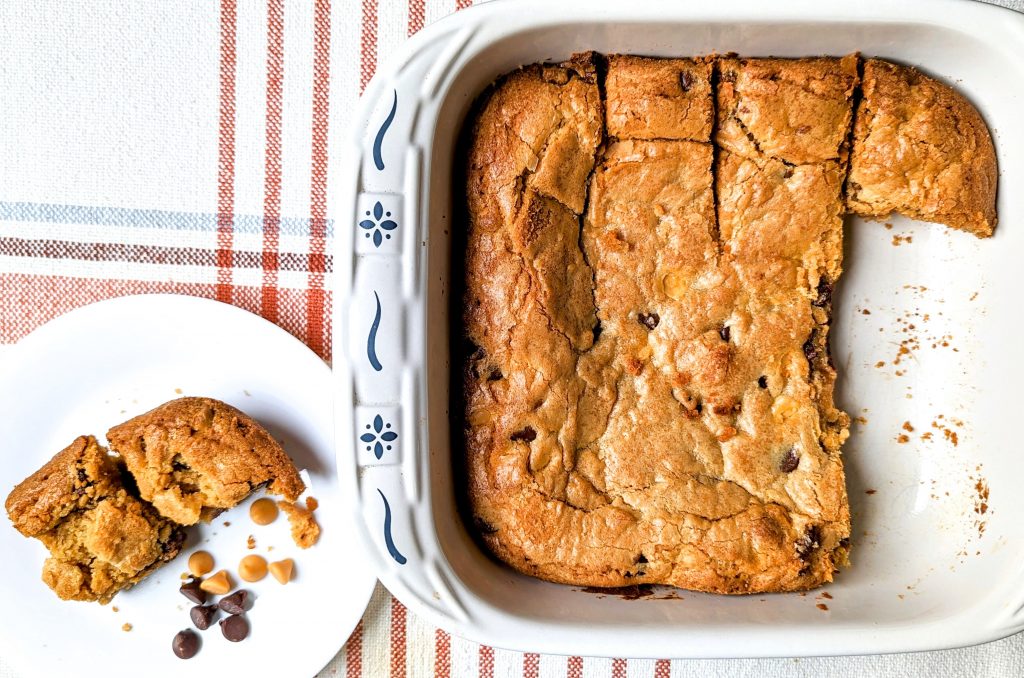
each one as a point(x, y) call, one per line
point(183, 147)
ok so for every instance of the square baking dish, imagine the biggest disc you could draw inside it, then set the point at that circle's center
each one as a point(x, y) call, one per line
point(938, 519)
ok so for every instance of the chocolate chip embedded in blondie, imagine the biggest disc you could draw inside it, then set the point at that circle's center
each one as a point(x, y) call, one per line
point(101, 538)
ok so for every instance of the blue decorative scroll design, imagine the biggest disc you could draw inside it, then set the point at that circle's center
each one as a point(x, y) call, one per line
point(388, 541)
point(380, 435)
point(371, 339)
point(378, 160)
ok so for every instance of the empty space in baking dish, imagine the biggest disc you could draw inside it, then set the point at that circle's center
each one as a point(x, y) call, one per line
point(930, 567)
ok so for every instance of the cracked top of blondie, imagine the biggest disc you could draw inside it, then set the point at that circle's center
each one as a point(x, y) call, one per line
point(194, 457)
point(648, 391)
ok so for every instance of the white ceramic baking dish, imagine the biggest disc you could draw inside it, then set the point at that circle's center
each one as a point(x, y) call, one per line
point(929, 570)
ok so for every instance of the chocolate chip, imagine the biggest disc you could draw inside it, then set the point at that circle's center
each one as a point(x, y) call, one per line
point(648, 320)
point(82, 476)
point(191, 590)
point(186, 644)
point(202, 616)
point(234, 628)
point(790, 461)
point(762, 381)
point(824, 294)
point(234, 603)
point(685, 81)
point(787, 173)
point(810, 350)
point(495, 375)
point(641, 559)
point(174, 542)
point(810, 541)
point(483, 526)
point(724, 332)
point(526, 435)
point(472, 351)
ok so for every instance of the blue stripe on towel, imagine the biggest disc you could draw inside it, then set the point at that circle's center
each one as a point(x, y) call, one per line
point(123, 216)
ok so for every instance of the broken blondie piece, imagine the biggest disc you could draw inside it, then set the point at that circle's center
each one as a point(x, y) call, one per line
point(195, 457)
point(101, 538)
point(921, 149)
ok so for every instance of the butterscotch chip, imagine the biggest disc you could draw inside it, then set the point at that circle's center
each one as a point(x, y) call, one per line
point(217, 584)
point(200, 563)
point(305, 530)
point(252, 568)
point(263, 511)
point(282, 570)
point(101, 538)
point(194, 457)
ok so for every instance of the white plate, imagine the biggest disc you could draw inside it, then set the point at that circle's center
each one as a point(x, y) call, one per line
point(101, 364)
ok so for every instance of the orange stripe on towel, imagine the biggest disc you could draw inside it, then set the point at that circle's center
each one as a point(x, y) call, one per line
point(272, 160)
point(226, 149)
point(317, 309)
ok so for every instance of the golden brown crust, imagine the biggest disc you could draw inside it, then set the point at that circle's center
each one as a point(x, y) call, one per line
point(794, 110)
point(101, 538)
point(649, 394)
point(659, 98)
point(194, 457)
point(653, 454)
point(921, 149)
point(73, 479)
point(541, 121)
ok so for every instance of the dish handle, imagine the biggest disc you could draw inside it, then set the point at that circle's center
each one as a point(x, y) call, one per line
point(381, 240)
